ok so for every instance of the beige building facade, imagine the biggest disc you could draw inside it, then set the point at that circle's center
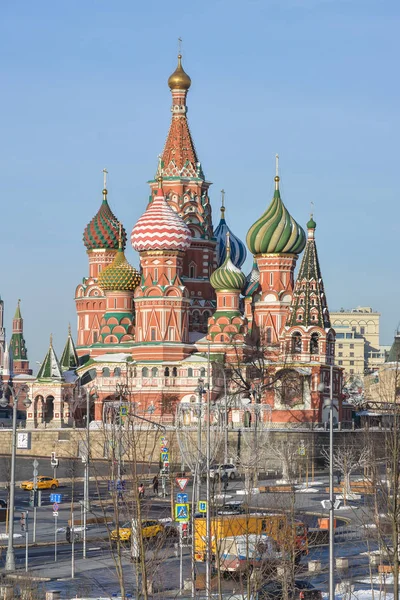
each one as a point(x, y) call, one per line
point(357, 335)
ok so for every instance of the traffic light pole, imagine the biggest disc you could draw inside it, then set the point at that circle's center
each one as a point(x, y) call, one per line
point(55, 538)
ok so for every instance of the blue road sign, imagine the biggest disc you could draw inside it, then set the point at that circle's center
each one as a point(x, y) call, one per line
point(181, 512)
point(182, 498)
point(202, 506)
point(56, 498)
point(164, 449)
point(164, 456)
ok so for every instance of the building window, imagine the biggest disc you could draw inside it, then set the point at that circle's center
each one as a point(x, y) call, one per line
point(117, 372)
point(154, 372)
point(314, 343)
point(94, 337)
point(340, 345)
point(190, 372)
point(174, 372)
point(362, 330)
point(352, 363)
point(351, 371)
point(271, 279)
point(269, 335)
point(351, 353)
point(340, 362)
point(166, 372)
point(192, 271)
point(351, 346)
point(354, 328)
point(153, 334)
point(296, 343)
point(105, 372)
point(155, 274)
point(145, 372)
point(202, 372)
point(340, 353)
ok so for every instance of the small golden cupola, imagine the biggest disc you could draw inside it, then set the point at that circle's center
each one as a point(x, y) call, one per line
point(179, 80)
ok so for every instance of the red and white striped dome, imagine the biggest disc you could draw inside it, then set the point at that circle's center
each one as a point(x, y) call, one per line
point(160, 228)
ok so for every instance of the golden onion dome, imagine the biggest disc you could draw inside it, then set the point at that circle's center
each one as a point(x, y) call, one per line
point(179, 80)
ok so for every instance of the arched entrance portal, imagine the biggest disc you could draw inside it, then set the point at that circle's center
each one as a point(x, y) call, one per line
point(48, 409)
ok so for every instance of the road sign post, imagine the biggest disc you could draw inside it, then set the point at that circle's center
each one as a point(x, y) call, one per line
point(55, 513)
point(24, 528)
point(35, 488)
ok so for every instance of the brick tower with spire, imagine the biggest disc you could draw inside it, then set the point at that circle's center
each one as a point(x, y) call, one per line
point(101, 238)
point(17, 345)
point(186, 191)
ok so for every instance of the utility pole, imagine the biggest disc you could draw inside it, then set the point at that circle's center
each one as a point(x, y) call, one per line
point(208, 489)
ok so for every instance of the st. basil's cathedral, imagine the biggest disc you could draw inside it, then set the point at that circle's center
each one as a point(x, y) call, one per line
point(189, 312)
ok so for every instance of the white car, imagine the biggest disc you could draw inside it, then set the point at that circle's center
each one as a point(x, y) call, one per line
point(218, 471)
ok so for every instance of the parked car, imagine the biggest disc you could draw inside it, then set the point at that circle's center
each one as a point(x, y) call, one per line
point(236, 507)
point(43, 483)
point(151, 528)
point(303, 590)
point(217, 471)
point(3, 503)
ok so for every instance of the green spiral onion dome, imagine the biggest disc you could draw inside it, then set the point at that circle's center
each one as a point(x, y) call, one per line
point(276, 232)
point(227, 276)
point(120, 275)
point(102, 231)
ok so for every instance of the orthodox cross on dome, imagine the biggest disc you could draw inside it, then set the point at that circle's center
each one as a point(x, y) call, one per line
point(105, 173)
point(222, 203)
point(277, 171)
point(179, 45)
point(312, 208)
point(120, 235)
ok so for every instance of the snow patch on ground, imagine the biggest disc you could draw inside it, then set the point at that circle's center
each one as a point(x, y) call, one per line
point(309, 491)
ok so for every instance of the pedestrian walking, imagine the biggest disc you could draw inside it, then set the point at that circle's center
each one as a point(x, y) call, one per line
point(338, 477)
point(141, 491)
point(224, 480)
point(155, 485)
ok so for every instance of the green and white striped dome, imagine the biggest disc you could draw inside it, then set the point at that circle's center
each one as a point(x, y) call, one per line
point(228, 276)
point(276, 232)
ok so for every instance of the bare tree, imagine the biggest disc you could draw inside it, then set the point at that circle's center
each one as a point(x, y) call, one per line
point(347, 459)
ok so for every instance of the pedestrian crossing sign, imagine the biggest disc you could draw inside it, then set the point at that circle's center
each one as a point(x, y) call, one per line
point(181, 512)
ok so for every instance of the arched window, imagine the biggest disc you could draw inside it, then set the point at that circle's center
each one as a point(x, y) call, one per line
point(154, 372)
point(202, 372)
point(145, 372)
point(190, 372)
point(269, 335)
point(314, 346)
point(166, 372)
point(174, 372)
point(192, 271)
point(105, 372)
point(117, 372)
point(296, 343)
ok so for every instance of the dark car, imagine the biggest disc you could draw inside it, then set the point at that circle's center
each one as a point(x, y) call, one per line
point(3, 503)
point(303, 590)
point(235, 507)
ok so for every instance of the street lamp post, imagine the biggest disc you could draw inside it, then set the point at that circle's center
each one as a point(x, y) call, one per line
point(10, 557)
point(321, 388)
point(92, 393)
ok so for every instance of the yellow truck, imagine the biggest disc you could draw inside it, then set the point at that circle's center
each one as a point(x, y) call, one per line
point(290, 536)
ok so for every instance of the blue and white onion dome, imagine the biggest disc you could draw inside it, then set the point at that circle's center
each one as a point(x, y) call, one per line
point(238, 248)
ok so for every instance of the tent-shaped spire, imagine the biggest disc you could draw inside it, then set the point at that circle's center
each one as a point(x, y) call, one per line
point(69, 358)
point(394, 352)
point(309, 306)
point(50, 368)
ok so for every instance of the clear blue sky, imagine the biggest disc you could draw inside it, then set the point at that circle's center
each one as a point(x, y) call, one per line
point(84, 86)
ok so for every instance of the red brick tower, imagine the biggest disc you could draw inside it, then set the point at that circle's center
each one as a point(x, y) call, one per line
point(17, 345)
point(186, 191)
point(162, 300)
point(101, 238)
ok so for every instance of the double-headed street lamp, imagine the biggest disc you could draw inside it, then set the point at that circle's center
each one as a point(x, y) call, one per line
point(8, 396)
